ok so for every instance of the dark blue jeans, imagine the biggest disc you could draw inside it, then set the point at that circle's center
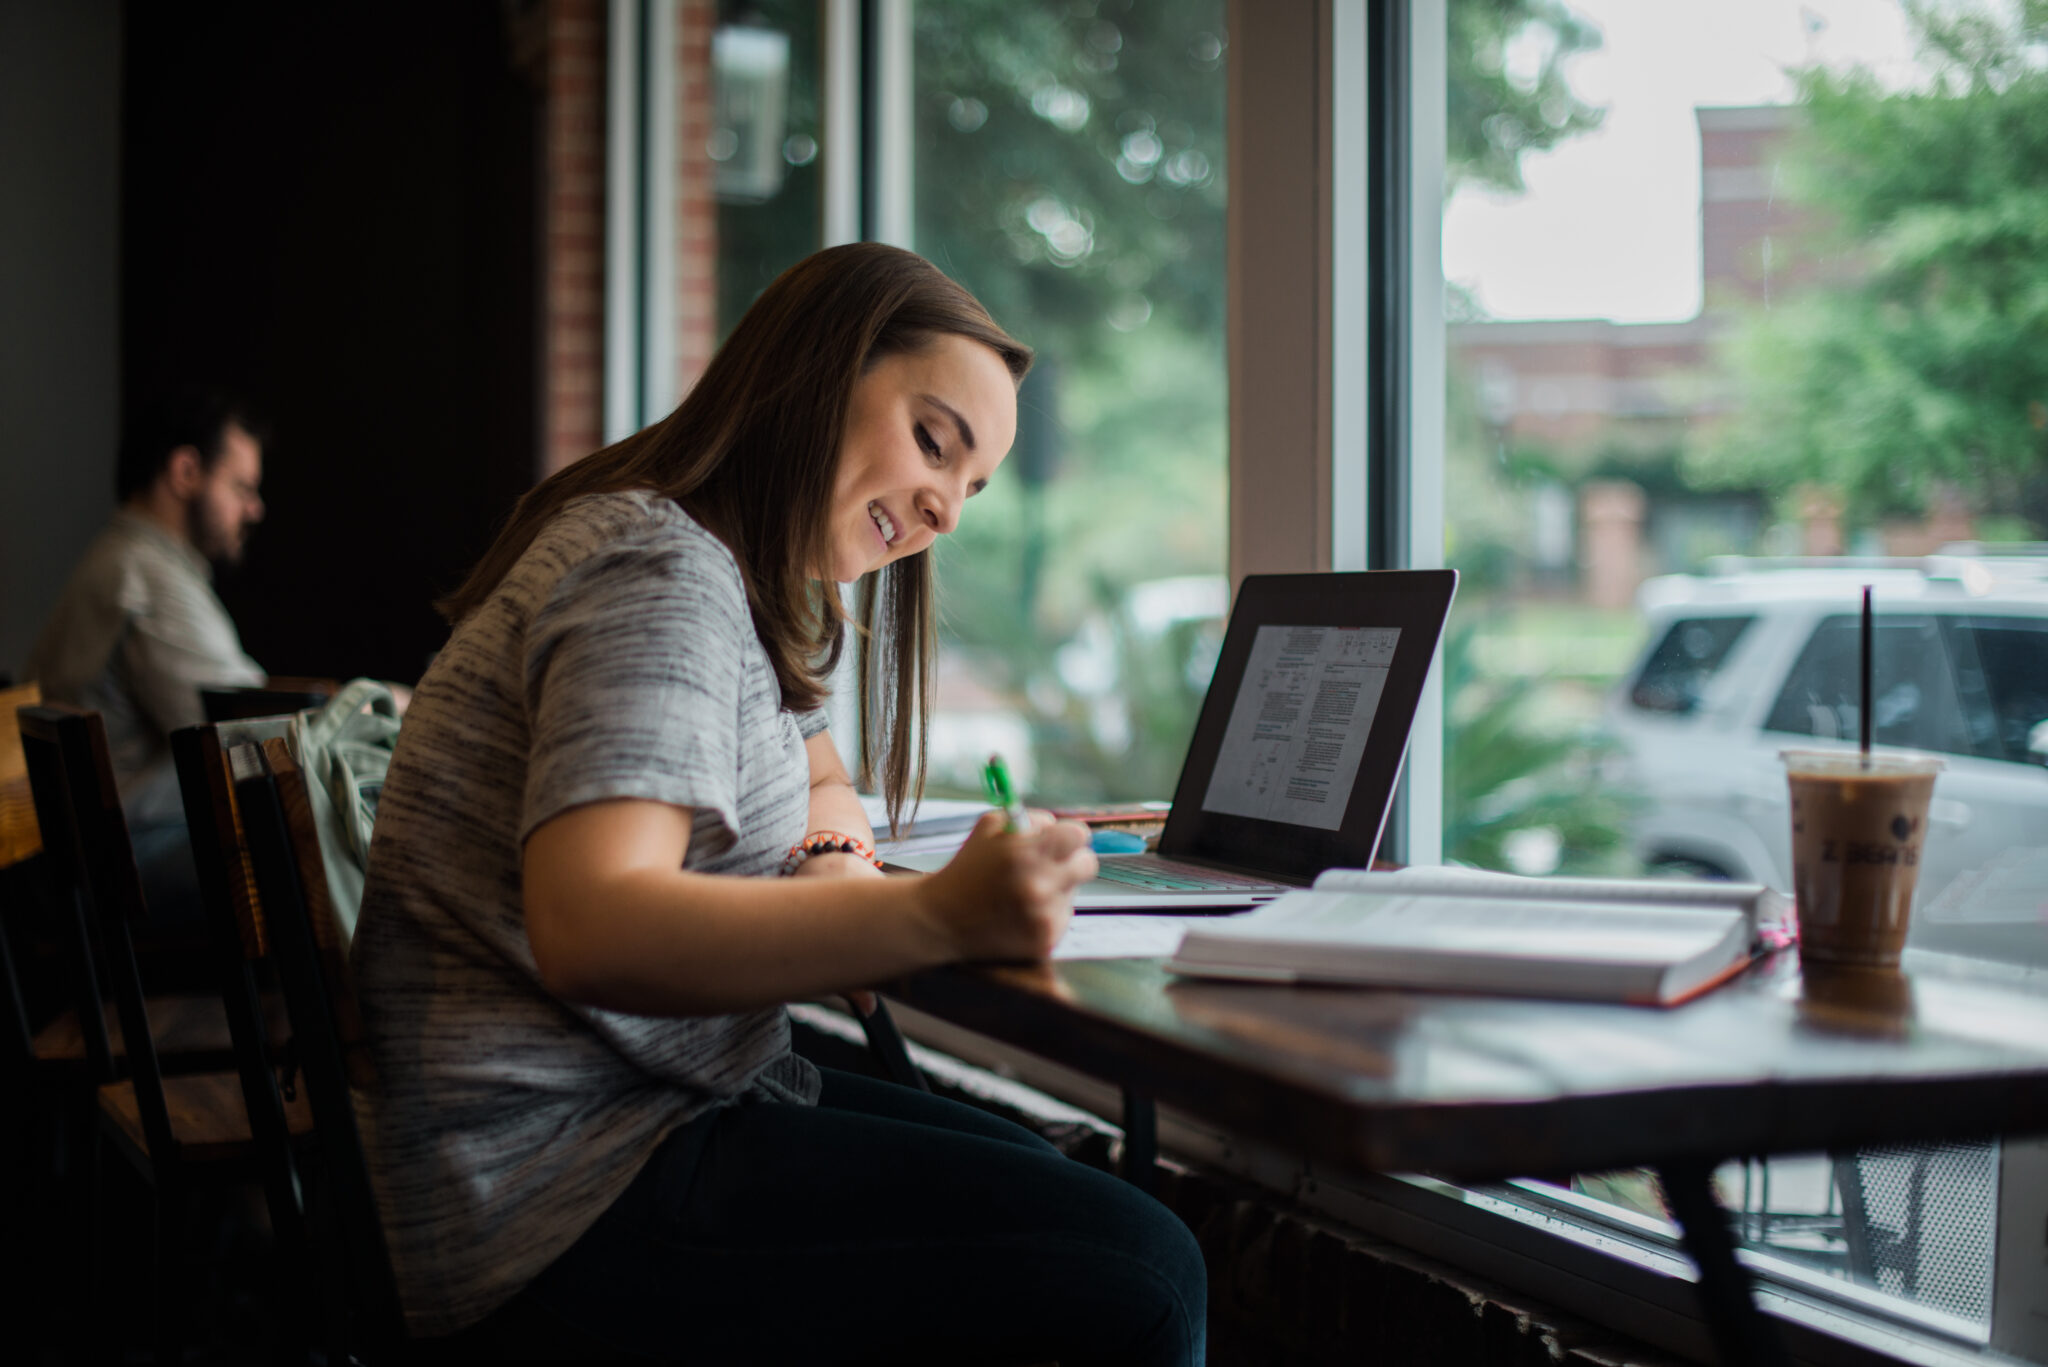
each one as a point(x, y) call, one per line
point(882, 1225)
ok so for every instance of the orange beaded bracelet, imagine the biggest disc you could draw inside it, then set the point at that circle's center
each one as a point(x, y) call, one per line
point(827, 842)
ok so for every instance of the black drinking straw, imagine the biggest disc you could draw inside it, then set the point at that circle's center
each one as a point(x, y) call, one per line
point(1863, 711)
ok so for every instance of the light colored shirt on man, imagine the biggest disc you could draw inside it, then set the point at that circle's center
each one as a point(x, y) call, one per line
point(135, 636)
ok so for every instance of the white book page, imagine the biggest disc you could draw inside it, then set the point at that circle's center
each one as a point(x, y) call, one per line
point(1461, 926)
point(1124, 937)
point(1299, 724)
point(934, 815)
point(1752, 899)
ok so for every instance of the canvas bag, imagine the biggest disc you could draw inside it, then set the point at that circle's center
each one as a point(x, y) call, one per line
point(345, 749)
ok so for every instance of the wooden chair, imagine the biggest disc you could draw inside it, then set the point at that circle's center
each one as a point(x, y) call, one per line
point(33, 1134)
point(257, 1019)
point(279, 697)
point(306, 944)
point(178, 1130)
point(364, 1321)
point(79, 1044)
point(20, 842)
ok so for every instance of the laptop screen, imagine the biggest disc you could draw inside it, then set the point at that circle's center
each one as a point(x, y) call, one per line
point(1300, 740)
point(1297, 730)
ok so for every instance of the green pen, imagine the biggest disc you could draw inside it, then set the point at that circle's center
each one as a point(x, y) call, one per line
point(995, 778)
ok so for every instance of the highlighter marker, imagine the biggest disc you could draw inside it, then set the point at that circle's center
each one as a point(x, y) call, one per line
point(995, 777)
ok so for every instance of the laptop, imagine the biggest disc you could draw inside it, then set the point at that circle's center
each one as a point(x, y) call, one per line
point(1300, 741)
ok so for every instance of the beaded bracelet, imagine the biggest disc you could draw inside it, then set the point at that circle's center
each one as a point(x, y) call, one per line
point(827, 842)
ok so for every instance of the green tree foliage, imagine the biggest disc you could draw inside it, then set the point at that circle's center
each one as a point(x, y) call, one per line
point(1505, 90)
point(1925, 362)
point(1070, 164)
point(1070, 169)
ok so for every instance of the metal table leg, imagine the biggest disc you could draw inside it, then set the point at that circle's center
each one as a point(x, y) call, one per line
point(1141, 1141)
point(1742, 1336)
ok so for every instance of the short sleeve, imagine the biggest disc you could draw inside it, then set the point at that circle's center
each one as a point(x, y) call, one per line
point(633, 672)
point(811, 723)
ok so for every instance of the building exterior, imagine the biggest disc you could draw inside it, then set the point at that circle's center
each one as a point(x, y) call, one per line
point(1591, 392)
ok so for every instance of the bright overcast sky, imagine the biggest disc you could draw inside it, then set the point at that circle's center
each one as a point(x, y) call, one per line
point(1610, 225)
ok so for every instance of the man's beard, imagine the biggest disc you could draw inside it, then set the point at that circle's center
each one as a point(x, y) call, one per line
point(221, 545)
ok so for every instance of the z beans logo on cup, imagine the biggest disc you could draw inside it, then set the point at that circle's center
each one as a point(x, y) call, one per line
point(1895, 852)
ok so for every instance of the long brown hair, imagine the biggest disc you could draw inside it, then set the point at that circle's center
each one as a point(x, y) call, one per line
point(751, 454)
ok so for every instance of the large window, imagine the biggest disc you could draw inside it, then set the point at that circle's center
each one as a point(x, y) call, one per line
point(1741, 310)
point(765, 145)
point(1066, 163)
point(1729, 337)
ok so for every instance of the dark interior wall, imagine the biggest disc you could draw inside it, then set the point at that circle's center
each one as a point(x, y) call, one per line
point(332, 209)
point(60, 101)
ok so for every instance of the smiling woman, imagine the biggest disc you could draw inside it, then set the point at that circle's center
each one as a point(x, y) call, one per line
point(574, 947)
point(847, 364)
point(911, 457)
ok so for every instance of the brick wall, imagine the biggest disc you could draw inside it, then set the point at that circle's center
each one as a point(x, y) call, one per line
point(696, 244)
point(573, 212)
point(572, 234)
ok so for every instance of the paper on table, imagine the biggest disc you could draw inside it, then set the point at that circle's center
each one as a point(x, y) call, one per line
point(946, 842)
point(1124, 937)
point(934, 816)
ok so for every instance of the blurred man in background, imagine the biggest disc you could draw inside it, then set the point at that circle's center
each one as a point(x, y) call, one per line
point(138, 630)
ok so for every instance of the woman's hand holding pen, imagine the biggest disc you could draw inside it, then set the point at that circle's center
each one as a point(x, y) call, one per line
point(1010, 894)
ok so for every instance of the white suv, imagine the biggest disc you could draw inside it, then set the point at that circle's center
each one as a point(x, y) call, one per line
point(1760, 655)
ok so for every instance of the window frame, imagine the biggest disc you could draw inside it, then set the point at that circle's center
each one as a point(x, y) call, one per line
point(1335, 314)
point(1336, 424)
point(1295, 350)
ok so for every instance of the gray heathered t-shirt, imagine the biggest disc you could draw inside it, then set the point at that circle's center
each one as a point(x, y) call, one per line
point(616, 660)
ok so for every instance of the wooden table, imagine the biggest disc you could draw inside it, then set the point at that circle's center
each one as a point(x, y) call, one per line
point(1482, 1088)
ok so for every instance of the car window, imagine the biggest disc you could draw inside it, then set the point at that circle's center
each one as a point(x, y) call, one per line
point(1914, 697)
point(2001, 670)
point(1677, 671)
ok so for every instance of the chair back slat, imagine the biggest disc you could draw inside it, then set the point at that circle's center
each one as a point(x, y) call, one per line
point(241, 704)
point(63, 862)
point(325, 1020)
point(227, 880)
point(220, 854)
point(78, 808)
point(329, 938)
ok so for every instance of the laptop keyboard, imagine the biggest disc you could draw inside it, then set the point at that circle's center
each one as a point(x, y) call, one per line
point(1170, 875)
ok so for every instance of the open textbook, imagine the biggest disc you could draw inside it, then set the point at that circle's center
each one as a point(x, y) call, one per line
point(1465, 930)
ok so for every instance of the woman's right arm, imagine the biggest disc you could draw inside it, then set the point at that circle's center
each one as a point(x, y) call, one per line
point(616, 922)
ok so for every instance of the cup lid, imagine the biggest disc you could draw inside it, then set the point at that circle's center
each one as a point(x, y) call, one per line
point(1853, 764)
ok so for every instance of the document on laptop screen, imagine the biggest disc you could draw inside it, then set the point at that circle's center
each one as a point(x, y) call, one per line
point(1299, 724)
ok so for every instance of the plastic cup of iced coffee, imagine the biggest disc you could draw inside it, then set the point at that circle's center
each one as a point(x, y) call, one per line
point(1858, 825)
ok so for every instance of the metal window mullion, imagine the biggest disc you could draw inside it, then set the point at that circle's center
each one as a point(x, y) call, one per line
point(660, 165)
point(840, 145)
point(1349, 301)
point(1404, 356)
point(1427, 46)
point(890, 96)
point(625, 116)
point(843, 142)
